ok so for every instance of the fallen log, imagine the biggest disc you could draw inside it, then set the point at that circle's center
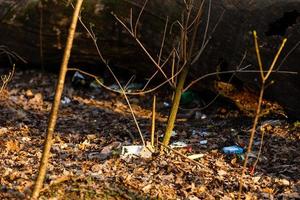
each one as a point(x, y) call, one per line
point(36, 31)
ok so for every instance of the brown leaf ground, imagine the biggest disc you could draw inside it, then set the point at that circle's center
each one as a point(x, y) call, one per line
point(97, 119)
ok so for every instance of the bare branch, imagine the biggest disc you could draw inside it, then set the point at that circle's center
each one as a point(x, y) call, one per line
point(288, 54)
point(138, 19)
point(143, 48)
point(258, 56)
point(199, 53)
point(162, 42)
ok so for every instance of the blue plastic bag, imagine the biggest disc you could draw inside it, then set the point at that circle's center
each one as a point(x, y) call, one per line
point(233, 150)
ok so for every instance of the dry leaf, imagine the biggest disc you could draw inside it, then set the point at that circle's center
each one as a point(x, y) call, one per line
point(12, 145)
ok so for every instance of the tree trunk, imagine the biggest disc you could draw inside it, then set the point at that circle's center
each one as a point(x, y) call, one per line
point(36, 31)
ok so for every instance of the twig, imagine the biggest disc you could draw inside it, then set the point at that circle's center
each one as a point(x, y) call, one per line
point(138, 18)
point(142, 47)
point(264, 78)
point(6, 79)
point(287, 55)
point(153, 121)
point(260, 149)
point(94, 39)
point(55, 107)
point(41, 9)
point(207, 22)
point(163, 41)
point(10, 54)
point(129, 81)
point(155, 73)
point(186, 48)
point(56, 182)
point(129, 105)
point(199, 53)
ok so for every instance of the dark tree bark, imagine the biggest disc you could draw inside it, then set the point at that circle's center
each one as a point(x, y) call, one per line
point(36, 31)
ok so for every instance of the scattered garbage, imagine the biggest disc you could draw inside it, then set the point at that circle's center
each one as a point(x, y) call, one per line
point(78, 80)
point(194, 132)
point(202, 142)
point(241, 157)
point(129, 88)
point(252, 155)
point(173, 133)
point(273, 122)
point(137, 150)
point(167, 105)
point(134, 86)
point(233, 150)
point(196, 156)
point(95, 83)
point(188, 97)
point(114, 87)
point(200, 133)
point(178, 144)
point(200, 115)
point(65, 100)
point(131, 150)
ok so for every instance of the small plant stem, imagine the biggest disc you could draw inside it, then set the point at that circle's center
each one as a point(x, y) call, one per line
point(6, 78)
point(264, 78)
point(175, 105)
point(257, 114)
point(55, 107)
point(260, 149)
point(153, 121)
point(186, 52)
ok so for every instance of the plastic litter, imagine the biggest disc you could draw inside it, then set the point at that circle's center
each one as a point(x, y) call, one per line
point(166, 104)
point(114, 87)
point(77, 75)
point(199, 115)
point(233, 150)
point(173, 133)
point(188, 97)
point(131, 150)
point(137, 150)
point(200, 133)
point(95, 84)
point(196, 156)
point(78, 79)
point(203, 142)
point(241, 157)
point(129, 88)
point(66, 100)
point(134, 86)
point(178, 144)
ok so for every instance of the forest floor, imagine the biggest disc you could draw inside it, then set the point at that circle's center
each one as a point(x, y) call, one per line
point(93, 126)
